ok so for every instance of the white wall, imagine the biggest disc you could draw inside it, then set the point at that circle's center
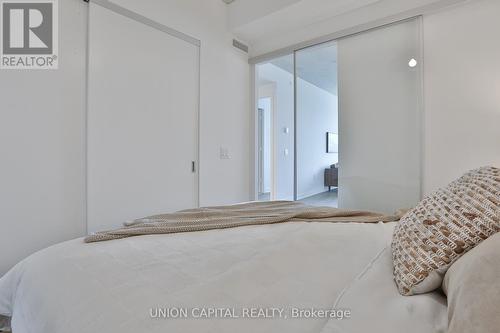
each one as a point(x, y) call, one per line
point(42, 147)
point(462, 91)
point(42, 117)
point(317, 113)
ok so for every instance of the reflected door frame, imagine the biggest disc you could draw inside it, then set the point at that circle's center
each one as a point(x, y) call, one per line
point(268, 91)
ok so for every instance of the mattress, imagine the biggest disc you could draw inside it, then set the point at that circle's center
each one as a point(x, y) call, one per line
point(290, 277)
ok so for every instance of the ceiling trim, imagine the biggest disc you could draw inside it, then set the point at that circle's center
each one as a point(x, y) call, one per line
point(144, 20)
point(393, 19)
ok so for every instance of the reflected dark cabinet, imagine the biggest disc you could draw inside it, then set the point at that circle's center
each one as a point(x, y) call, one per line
point(331, 177)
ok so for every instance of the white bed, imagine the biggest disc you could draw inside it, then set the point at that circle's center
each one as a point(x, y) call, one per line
point(111, 286)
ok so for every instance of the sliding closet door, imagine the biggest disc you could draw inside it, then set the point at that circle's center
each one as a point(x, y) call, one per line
point(142, 120)
point(379, 118)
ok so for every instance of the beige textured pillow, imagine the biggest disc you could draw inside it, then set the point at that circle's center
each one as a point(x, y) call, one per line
point(443, 227)
point(472, 285)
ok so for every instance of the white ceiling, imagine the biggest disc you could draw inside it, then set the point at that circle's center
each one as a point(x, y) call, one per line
point(252, 21)
point(268, 25)
point(242, 12)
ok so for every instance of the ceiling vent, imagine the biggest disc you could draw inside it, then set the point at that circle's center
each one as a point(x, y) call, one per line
point(239, 45)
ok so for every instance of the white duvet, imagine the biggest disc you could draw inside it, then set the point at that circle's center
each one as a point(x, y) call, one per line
point(120, 286)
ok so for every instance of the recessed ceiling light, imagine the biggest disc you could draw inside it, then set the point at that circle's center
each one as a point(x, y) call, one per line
point(412, 63)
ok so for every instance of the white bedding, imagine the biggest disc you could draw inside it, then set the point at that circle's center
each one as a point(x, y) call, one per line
point(112, 286)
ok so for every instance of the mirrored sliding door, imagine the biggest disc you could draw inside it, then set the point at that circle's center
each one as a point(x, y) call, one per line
point(343, 121)
point(379, 119)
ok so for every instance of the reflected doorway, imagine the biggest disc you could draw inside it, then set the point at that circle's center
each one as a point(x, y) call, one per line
point(265, 148)
point(316, 127)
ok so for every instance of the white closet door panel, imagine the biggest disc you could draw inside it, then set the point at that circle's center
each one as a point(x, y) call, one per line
point(142, 120)
point(379, 132)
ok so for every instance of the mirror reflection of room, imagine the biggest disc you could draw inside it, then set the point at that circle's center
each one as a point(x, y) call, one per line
point(298, 149)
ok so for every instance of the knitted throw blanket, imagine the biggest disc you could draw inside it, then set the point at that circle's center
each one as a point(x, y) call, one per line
point(255, 213)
